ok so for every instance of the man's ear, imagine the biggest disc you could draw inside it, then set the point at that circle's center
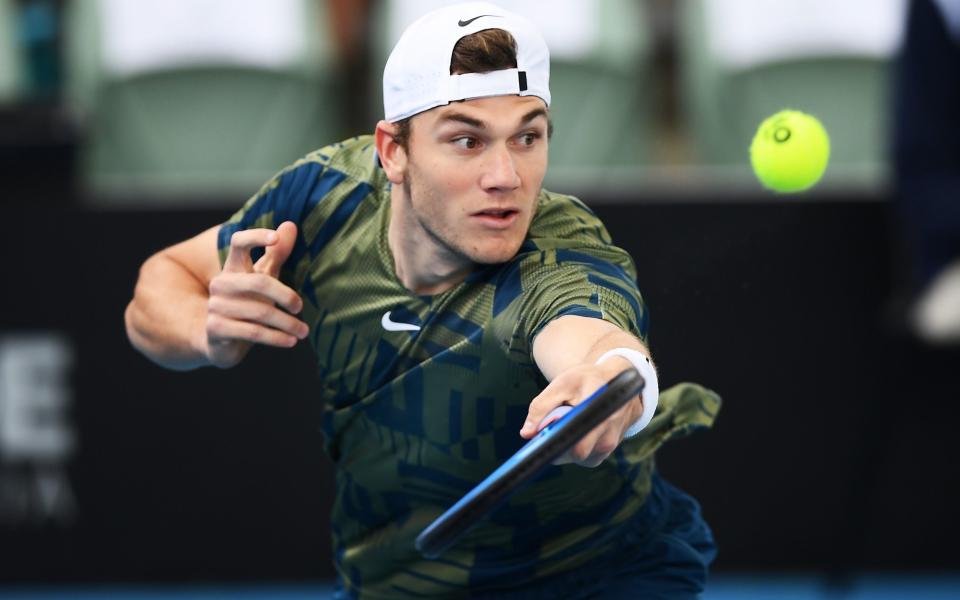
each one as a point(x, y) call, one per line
point(393, 158)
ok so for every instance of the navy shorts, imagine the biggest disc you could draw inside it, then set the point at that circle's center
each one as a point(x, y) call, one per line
point(664, 554)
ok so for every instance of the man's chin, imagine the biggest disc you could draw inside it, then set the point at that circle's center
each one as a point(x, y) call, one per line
point(495, 256)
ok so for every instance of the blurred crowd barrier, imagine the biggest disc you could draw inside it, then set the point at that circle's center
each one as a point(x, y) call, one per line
point(184, 101)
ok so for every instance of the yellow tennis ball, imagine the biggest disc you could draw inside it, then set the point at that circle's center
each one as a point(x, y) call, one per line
point(790, 151)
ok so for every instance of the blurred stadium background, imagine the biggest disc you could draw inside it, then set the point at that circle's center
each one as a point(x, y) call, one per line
point(127, 125)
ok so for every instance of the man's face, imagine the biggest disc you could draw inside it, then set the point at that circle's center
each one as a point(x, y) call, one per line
point(473, 174)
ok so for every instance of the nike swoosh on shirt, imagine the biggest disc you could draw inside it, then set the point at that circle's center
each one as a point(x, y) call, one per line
point(463, 23)
point(391, 325)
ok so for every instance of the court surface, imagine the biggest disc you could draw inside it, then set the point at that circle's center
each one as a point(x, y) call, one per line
point(722, 587)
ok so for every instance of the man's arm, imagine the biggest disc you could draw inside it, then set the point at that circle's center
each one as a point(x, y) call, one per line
point(187, 312)
point(566, 351)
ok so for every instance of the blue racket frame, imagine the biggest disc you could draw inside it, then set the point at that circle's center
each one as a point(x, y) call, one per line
point(528, 462)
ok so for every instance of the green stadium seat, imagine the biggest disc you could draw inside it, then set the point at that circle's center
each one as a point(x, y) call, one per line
point(603, 104)
point(196, 132)
point(724, 103)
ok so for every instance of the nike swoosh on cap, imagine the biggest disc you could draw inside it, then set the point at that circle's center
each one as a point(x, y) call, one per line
point(463, 23)
point(391, 325)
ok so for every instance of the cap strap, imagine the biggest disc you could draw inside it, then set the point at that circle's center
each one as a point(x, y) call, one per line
point(478, 85)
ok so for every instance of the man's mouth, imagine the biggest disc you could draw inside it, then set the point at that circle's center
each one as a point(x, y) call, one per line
point(497, 217)
point(499, 213)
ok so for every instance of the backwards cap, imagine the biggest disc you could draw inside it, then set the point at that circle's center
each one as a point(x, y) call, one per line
point(417, 75)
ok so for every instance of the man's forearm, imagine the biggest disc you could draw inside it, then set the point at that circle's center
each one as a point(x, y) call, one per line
point(615, 339)
point(571, 341)
point(166, 318)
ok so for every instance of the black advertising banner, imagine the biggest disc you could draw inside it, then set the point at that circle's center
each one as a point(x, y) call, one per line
point(113, 469)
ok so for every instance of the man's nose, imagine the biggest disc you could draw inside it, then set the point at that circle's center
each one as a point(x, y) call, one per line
point(500, 172)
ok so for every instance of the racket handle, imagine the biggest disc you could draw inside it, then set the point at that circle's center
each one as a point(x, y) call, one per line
point(554, 416)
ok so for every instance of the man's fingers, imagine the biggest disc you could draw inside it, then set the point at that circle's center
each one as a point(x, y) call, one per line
point(554, 395)
point(606, 444)
point(277, 254)
point(572, 388)
point(553, 416)
point(241, 243)
point(256, 284)
point(593, 448)
point(258, 313)
point(569, 390)
point(248, 304)
point(226, 331)
point(581, 451)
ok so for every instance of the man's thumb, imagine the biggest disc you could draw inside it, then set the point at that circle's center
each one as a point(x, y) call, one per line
point(276, 254)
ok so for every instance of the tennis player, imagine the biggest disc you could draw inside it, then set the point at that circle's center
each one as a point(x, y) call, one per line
point(452, 304)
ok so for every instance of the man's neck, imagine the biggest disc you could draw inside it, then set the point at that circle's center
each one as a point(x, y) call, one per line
point(422, 264)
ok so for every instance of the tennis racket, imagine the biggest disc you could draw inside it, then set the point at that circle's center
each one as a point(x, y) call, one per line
point(529, 461)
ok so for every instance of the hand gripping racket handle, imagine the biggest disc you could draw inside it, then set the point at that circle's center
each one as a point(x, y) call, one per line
point(528, 462)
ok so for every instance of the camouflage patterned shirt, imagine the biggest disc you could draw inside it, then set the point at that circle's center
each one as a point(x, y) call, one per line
point(424, 396)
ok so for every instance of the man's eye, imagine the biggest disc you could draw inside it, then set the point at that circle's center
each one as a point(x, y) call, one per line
point(529, 138)
point(467, 143)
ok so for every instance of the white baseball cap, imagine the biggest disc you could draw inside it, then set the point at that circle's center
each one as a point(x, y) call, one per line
point(417, 75)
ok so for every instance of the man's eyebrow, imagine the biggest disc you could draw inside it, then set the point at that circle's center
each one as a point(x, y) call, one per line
point(478, 124)
point(462, 118)
point(533, 114)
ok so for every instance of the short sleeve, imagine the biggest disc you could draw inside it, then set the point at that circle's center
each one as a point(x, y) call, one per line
point(288, 196)
point(572, 267)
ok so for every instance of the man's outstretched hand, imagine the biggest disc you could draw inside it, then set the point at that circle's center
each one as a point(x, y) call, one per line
point(572, 388)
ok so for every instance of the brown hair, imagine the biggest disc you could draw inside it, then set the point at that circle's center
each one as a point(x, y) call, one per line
point(480, 52)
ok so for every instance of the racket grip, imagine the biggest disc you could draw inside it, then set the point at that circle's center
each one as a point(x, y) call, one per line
point(554, 416)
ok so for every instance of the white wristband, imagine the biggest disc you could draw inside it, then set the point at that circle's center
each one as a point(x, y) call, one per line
point(651, 391)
